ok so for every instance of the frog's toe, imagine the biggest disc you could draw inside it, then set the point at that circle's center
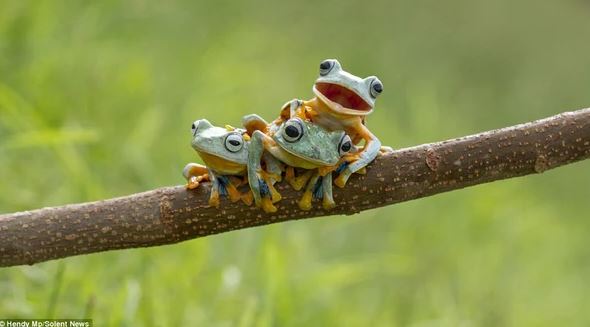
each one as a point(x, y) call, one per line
point(305, 201)
point(341, 180)
point(267, 205)
point(267, 185)
point(328, 203)
point(274, 194)
point(192, 183)
point(247, 198)
point(214, 200)
point(193, 169)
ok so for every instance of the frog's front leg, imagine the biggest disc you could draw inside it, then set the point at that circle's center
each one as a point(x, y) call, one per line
point(259, 187)
point(195, 174)
point(363, 158)
point(214, 196)
point(327, 198)
point(271, 174)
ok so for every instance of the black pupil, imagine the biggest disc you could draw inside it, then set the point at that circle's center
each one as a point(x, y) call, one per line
point(234, 142)
point(346, 146)
point(193, 126)
point(292, 131)
point(378, 88)
point(325, 65)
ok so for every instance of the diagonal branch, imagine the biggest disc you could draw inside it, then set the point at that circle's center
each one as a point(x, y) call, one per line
point(172, 214)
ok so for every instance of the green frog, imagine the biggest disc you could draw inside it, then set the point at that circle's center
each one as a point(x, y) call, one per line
point(296, 143)
point(342, 102)
point(224, 151)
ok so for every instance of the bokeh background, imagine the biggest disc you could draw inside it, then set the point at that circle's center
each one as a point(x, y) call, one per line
point(96, 101)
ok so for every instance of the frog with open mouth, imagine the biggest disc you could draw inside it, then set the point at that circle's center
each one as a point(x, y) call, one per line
point(296, 143)
point(225, 153)
point(342, 102)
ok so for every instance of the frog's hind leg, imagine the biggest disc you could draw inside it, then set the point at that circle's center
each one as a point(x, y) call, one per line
point(226, 187)
point(305, 201)
point(195, 174)
point(271, 174)
point(298, 182)
point(253, 123)
point(260, 189)
point(247, 198)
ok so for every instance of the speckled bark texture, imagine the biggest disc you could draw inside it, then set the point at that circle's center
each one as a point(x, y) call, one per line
point(173, 214)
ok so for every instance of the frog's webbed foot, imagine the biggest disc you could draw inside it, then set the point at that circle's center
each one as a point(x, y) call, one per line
point(305, 201)
point(195, 174)
point(263, 191)
point(297, 182)
point(343, 174)
point(266, 202)
point(269, 180)
point(194, 181)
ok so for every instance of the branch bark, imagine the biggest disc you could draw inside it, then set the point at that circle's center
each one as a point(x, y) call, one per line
point(172, 214)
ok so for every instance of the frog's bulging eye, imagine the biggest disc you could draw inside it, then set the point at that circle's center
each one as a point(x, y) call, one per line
point(234, 142)
point(194, 129)
point(376, 87)
point(326, 66)
point(293, 131)
point(345, 145)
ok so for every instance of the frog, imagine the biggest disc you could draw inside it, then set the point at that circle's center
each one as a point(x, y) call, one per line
point(342, 102)
point(224, 150)
point(297, 143)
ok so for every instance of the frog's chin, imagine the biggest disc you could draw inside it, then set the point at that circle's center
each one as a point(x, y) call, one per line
point(342, 100)
point(297, 160)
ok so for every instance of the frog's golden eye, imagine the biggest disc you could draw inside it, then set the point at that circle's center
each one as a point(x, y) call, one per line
point(345, 145)
point(293, 130)
point(234, 142)
point(326, 66)
point(376, 87)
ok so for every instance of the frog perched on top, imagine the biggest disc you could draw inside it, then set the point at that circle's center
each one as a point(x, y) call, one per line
point(225, 152)
point(342, 102)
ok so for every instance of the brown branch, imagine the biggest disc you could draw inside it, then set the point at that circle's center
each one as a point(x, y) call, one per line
point(173, 214)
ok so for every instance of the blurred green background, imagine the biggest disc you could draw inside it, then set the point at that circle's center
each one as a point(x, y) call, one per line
point(96, 101)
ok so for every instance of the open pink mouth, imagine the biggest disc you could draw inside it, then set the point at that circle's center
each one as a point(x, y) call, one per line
point(343, 96)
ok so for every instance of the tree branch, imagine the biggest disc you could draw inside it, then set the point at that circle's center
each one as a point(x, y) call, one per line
point(172, 214)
